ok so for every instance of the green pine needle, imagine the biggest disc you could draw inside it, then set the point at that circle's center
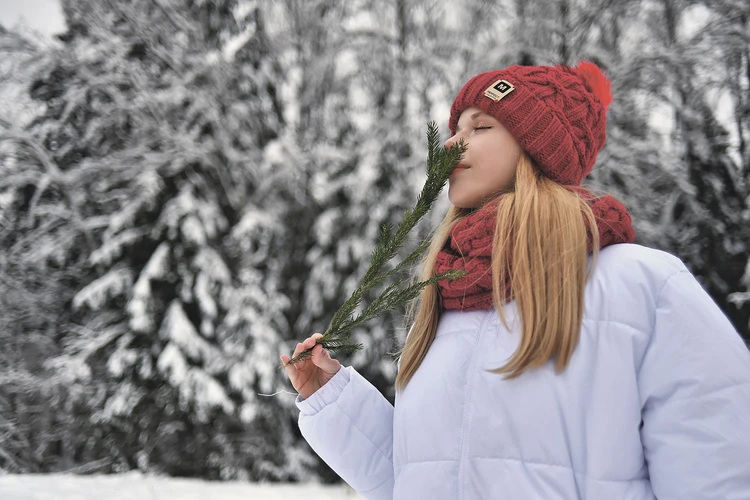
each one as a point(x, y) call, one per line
point(440, 164)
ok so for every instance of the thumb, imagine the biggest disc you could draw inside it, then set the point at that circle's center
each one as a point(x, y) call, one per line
point(322, 359)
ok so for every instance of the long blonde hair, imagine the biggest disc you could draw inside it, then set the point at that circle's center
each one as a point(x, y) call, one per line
point(541, 225)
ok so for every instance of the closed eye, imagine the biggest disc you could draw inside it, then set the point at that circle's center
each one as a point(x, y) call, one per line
point(481, 128)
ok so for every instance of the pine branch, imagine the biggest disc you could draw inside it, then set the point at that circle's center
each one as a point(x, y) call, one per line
point(336, 342)
point(440, 164)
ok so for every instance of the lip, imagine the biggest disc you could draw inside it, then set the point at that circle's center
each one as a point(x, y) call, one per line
point(459, 167)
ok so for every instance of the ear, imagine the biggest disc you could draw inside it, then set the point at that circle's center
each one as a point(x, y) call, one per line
point(596, 81)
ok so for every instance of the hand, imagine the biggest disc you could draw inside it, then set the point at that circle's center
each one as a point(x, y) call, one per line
point(310, 374)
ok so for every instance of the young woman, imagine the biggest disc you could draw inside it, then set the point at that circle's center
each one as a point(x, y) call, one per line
point(568, 363)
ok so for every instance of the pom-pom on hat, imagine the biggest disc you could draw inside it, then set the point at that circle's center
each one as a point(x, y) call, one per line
point(558, 114)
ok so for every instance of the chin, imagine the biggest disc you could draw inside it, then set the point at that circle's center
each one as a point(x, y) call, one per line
point(463, 198)
point(462, 203)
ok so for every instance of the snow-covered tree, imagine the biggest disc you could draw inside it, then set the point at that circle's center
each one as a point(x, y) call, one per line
point(159, 113)
point(35, 272)
point(357, 131)
point(197, 185)
point(699, 208)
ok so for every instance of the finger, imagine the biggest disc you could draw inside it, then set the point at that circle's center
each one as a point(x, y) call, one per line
point(332, 365)
point(306, 344)
point(316, 355)
point(284, 358)
point(300, 347)
point(290, 369)
point(310, 342)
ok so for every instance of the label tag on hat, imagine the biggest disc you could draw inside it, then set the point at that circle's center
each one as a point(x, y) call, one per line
point(499, 89)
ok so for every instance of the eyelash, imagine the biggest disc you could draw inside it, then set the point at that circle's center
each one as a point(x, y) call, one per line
point(481, 128)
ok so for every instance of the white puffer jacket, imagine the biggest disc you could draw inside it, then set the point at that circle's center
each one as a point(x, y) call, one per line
point(655, 404)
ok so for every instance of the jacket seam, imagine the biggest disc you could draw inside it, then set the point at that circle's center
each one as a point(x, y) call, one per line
point(652, 334)
point(593, 320)
point(711, 391)
point(428, 461)
point(392, 476)
point(465, 421)
point(568, 467)
point(354, 424)
point(615, 322)
point(397, 468)
point(532, 462)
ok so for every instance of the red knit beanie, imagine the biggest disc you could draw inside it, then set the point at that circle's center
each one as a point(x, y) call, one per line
point(558, 114)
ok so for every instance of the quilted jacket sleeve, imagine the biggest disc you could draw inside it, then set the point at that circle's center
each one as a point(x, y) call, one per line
point(349, 424)
point(694, 382)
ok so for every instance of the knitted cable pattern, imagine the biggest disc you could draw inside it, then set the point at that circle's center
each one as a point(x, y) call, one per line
point(469, 248)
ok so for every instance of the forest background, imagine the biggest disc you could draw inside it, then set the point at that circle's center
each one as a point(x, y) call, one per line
point(190, 187)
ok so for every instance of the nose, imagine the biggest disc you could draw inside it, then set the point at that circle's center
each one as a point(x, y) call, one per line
point(456, 138)
point(451, 141)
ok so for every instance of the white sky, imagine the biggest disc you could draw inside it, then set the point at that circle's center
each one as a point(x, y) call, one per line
point(44, 16)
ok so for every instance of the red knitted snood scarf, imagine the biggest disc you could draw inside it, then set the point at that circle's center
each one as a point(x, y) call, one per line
point(469, 248)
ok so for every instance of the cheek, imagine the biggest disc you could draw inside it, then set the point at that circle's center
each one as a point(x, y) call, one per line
point(466, 188)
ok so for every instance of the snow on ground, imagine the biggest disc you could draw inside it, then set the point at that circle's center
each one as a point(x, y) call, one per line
point(137, 486)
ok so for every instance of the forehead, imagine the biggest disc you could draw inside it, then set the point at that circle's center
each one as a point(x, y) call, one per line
point(472, 113)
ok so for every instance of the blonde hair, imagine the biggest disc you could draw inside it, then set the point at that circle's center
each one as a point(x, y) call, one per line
point(541, 225)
